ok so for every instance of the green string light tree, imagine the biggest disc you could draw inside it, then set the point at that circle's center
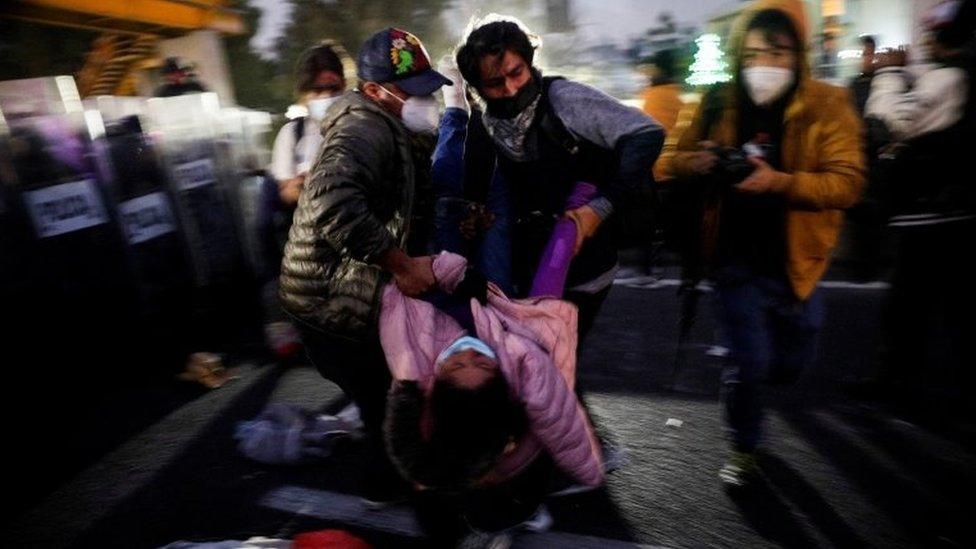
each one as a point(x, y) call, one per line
point(709, 66)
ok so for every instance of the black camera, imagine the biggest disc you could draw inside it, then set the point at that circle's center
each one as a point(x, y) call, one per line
point(733, 166)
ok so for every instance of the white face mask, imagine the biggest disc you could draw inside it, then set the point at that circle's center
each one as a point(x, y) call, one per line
point(317, 107)
point(767, 84)
point(419, 114)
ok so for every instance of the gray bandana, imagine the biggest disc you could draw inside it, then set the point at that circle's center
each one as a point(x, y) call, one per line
point(510, 133)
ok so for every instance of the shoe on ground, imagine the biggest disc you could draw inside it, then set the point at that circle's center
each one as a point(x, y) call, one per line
point(741, 470)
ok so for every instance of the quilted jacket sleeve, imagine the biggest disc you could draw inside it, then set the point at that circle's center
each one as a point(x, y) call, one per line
point(344, 181)
point(558, 420)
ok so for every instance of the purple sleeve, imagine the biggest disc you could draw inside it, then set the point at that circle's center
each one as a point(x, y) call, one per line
point(550, 275)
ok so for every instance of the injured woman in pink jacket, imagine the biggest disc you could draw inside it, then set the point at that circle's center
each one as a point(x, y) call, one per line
point(484, 387)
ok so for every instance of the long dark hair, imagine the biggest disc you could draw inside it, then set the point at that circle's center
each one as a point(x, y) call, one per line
point(327, 55)
point(471, 429)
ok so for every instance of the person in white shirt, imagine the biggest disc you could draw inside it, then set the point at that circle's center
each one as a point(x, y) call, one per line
point(320, 82)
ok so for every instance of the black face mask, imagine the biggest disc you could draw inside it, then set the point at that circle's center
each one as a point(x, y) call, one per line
point(510, 107)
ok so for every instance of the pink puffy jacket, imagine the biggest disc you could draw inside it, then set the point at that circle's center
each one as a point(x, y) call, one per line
point(535, 340)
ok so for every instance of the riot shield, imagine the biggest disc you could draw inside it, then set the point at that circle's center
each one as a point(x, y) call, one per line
point(76, 300)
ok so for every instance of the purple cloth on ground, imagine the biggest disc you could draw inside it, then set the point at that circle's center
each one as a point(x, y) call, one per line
point(550, 275)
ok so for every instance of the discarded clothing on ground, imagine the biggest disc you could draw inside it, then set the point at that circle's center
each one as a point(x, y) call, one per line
point(284, 434)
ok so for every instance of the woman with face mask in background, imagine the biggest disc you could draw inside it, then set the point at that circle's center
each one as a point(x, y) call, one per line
point(320, 82)
point(770, 224)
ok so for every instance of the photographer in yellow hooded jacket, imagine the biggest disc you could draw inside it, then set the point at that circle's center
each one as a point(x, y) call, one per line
point(782, 157)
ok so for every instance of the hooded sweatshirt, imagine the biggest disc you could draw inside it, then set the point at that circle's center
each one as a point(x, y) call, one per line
point(822, 169)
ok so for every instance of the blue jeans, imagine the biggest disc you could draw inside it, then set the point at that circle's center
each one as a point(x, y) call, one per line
point(772, 336)
point(492, 255)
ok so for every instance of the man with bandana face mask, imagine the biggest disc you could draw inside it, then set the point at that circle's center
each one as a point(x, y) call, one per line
point(551, 133)
point(361, 221)
point(768, 238)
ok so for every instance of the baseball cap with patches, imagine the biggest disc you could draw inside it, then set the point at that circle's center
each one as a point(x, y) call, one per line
point(395, 55)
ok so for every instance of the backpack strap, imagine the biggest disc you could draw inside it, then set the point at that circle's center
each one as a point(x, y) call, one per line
point(299, 132)
point(550, 124)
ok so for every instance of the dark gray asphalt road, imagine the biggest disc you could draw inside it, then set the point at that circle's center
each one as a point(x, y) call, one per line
point(836, 472)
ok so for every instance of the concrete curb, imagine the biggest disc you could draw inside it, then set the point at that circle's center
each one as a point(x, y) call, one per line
point(94, 493)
